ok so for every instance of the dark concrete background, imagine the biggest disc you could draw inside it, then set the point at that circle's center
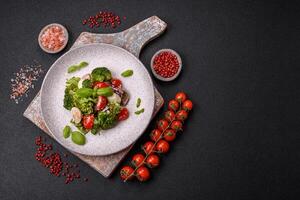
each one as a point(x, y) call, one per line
point(241, 69)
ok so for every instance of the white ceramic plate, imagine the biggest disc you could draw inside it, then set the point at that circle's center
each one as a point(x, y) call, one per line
point(138, 86)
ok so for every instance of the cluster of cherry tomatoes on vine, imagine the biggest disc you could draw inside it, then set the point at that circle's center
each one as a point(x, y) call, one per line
point(165, 132)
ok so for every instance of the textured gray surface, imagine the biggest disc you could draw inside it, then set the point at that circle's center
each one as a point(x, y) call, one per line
point(240, 67)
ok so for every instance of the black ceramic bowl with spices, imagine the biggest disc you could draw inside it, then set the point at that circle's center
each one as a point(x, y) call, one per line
point(166, 64)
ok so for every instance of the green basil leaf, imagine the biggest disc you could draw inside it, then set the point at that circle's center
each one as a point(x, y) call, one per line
point(107, 91)
point(138, 102)
point(127, 73)
point(84, 92)
point(66, 131)
point(139, 111)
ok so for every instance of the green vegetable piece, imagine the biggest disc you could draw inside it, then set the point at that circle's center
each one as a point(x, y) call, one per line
point(85, 104)
point(67, 131)
point(68, 100)
point(127, 73)
point(71, 87)
point(78, 138)
point(74, 68)
point(94, 131)
point(84, 92)
point(138, 102)
point(83, 64)
point(107, 91)
point(87, 83)
point(107, 75)
point(139, 111)
point(106, 120)
point(72, 83)
point(101, 74)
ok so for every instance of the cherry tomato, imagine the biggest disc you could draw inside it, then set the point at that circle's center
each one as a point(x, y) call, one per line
point(127, 173)
point(173, 105)
point(116, 83)
point(88, 121)
point(152, 160)
point(187, 105)
point(180, 97)
point(101, 103)
point(142, 173)
point(124, 113)
point(148, 147)
point(162, 124)
point(176, 125)
point(181, 115)
point(170, 115)
point(169, 135)
point(137, 159)
point(98, 84)
point(155, 135)
point(162, 146)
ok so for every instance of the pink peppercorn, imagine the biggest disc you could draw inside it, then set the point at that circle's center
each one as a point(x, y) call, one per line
point(166, 64)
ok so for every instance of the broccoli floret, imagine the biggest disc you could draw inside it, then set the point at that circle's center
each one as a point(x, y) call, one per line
point(101, 74)
point(68, 100)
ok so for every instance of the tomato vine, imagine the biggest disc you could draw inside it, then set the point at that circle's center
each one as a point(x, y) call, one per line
point(181, 106)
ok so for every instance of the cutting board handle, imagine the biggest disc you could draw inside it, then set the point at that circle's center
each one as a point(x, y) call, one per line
point(132, 39)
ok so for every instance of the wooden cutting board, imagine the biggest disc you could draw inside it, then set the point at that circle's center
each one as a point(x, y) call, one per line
point(133, 40)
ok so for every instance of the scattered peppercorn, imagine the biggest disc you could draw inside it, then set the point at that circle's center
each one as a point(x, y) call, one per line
point(53, 161)
point(103, 19)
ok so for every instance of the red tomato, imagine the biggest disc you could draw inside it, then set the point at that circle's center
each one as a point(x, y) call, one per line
point(127, 173)
point(116, 83)
point(162, 146)
point(99, 84)
point(180, 97)
point(101, 103)
point(181, 115)
point(152, 161)
point(155, 135)
point(138, 159)
point(148, 147)
point(142, 173)
point(173, 105)
point(162, 124)
point(124, 113)
point(176, 125)
point(187, 105)
point(88, 121)
point(170, 115)
point(169, 135)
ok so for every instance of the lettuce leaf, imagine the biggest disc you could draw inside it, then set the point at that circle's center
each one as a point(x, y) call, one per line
point(71, 88)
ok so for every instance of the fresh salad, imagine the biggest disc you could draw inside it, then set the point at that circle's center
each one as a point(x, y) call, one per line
point(97, 102)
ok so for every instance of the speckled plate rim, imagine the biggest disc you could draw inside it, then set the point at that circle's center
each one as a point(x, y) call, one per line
point(83, 46)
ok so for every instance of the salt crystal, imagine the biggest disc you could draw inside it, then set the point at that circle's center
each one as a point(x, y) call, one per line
point(23, 81)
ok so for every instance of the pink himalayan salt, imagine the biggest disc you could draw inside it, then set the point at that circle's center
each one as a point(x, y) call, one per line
point(53, 38)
